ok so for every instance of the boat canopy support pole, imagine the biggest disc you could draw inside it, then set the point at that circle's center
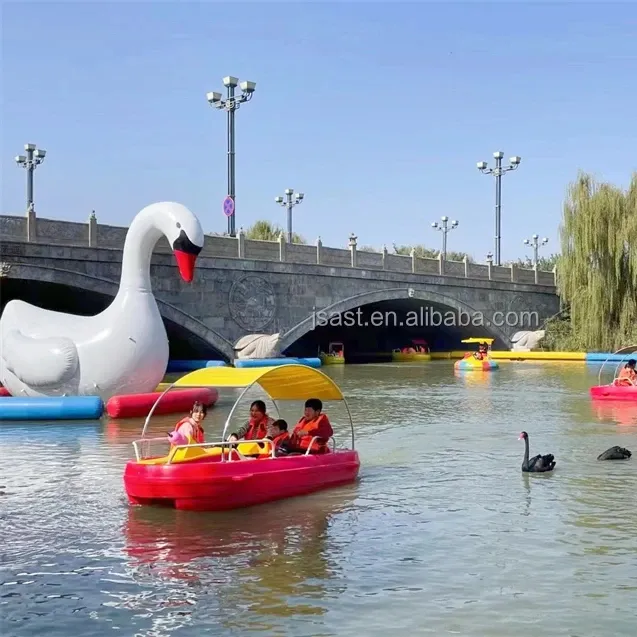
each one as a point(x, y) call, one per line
point(152, 409)
point(234, 407)
point(351, 423)
point(276, 407)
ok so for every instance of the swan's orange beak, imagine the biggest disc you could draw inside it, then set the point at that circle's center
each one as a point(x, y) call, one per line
point(186, 265)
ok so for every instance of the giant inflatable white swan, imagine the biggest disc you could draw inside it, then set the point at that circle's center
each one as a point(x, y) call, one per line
point(122, 350)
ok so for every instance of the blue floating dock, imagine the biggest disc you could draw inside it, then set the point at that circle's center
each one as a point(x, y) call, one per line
point(272, 362)
point(51, 408)
point(603, 357)
point(191, 365)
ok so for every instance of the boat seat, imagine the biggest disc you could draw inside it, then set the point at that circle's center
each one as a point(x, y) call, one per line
point(250, 450)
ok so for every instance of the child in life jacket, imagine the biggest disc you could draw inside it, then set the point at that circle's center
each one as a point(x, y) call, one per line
point(278, 434)
point(313, 424)
point(188, 431)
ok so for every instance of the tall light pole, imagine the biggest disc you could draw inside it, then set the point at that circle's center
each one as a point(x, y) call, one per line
point(498, 171)
point(34, 157)
point(230, 104)
point(536, 246)
point(445, 229)
point(291, 200)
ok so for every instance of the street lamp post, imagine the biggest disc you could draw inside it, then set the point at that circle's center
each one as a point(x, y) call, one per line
point(535, 242)
point(230, 104)
point(34, 157)
point(498, 171)
point(291, 199)
point(445, 229)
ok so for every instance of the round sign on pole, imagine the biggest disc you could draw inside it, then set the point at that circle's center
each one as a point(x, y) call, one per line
point(228, 206)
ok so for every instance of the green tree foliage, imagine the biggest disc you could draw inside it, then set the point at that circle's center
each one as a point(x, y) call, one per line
point(560, 335)
point(430, 253)
point(597, 272)
point(267, 231)
point(545, 264)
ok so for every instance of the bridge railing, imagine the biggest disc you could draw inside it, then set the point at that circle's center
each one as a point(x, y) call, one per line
point(92, 234)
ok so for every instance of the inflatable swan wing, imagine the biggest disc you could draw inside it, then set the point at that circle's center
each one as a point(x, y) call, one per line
point(124, 349)
point(258, 346)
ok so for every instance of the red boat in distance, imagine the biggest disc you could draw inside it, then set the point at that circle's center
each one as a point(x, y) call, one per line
point(618, 388)
point(222, 475)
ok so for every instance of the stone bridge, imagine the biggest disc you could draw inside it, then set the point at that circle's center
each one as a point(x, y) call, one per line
point(244, 286)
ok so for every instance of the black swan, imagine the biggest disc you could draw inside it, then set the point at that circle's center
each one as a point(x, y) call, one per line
point(615, 453)
point(538, 464)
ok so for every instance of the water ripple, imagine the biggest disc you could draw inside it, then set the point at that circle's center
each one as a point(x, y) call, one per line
point(443, 535)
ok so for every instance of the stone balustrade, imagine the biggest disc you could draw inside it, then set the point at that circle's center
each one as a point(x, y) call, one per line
point(34, 229)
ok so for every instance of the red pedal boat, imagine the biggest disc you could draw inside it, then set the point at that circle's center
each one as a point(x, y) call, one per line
point(223, 475)
point(618, 389)
point(614, 392)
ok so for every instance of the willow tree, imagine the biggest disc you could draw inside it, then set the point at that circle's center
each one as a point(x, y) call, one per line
point(267, 231)
point(597, 272)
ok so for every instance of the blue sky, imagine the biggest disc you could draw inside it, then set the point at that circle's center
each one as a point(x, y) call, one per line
point(377, 112)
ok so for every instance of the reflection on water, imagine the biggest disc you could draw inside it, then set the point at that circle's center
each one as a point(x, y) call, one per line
point(443, 534)
point(254, 562)
point(620, 412)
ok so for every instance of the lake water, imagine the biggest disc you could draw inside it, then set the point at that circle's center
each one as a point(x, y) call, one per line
point(442, 535)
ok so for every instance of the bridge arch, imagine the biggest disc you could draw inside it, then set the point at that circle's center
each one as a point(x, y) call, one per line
point(104, 287)
point(377, 296)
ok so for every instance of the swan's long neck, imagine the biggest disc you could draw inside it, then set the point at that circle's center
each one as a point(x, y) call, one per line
point(526, 451)
point(141, 239)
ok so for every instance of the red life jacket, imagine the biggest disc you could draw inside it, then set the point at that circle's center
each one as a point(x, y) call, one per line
point(319, 427)
point(197, 429)
point(282, 437)
point(258, 429)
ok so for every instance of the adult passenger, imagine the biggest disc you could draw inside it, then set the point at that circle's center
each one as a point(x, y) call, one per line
point(628, 375)
point(482, 352)
point(189, 431)
point(257, 427)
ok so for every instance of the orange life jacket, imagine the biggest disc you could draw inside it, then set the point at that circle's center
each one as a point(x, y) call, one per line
point(197, 429)
point(258, 429)
point(281, 438)
point(626, 376)
point(318, 427)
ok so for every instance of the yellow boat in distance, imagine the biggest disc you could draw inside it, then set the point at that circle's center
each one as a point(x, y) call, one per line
point(474, 361)
point(335, 355)
point(417, 351)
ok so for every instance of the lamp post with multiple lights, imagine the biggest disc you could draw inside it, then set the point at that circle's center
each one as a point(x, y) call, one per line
point(537, 244)
point(34, 157)
point(230, 104)
point(497, 172)
point(445, 229)
point(291, 199)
